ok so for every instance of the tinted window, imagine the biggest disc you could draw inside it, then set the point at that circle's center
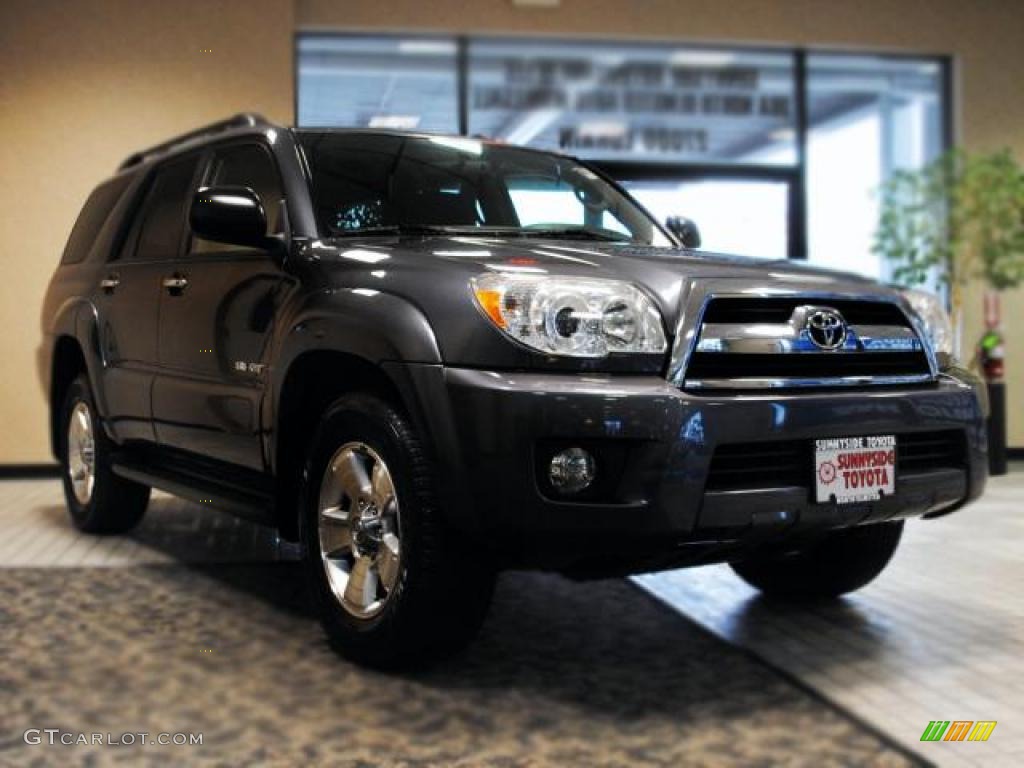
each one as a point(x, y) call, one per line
point(94, 213)
point(163, 213)
point(252, 166)
point(363, 182)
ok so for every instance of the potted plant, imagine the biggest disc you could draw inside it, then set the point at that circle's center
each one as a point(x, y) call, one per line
point(957, 219)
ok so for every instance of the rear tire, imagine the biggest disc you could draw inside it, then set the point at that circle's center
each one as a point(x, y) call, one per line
point(98, 500)
point(396, 587)
point(843, 562)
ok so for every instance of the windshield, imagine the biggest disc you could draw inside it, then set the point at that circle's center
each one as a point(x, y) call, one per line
point(365, 183)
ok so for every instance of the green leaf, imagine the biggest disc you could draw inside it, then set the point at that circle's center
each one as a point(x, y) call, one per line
point(961, 216)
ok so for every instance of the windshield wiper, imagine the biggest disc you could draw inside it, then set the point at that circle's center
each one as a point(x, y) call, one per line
point(396, 229)
point(426, 230)
point(576, 233)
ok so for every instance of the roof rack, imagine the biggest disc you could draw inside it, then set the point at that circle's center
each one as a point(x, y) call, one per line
point(242, 120)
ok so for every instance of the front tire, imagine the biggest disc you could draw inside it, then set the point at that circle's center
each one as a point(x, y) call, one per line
point(98, 500)
point(396, 587)
point(844, 561)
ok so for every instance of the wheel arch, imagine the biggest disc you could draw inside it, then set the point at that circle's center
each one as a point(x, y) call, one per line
point(347, 346)
point(72, 344)
point(67, 363)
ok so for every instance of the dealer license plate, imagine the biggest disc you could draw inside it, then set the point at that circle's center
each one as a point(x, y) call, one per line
point(855, 469)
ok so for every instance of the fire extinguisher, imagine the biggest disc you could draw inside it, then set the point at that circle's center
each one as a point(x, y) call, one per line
point(991, 360)
point(991, 353)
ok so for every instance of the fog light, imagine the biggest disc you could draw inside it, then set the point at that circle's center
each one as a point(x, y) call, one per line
point(571, 470)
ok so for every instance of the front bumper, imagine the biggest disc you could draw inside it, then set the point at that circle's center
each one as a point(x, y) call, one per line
point(488, 428)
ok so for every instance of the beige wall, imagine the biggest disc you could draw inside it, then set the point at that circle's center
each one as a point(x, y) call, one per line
point(84, 82)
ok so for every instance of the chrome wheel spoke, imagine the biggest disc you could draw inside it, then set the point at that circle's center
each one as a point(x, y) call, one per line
point(352, 475)
point(83, 427)
point(383, 489)
point(388, 561)
point(335, 514)
point(335, 538)
point(361, 589)
point(331, 492)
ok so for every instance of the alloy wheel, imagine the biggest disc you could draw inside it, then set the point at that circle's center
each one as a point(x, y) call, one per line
point(81, 453)
point(359, 531)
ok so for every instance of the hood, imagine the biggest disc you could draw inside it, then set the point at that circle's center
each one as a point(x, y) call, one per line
point(433, 273)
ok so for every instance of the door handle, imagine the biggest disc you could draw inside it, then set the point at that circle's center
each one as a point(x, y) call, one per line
point(175, 284)
point(109, 283)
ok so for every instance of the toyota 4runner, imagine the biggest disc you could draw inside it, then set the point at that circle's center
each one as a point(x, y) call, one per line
point(428, 358)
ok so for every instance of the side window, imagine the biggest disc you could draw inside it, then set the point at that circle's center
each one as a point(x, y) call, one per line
point(246, 165)
point(94, 213)
point(161, 220)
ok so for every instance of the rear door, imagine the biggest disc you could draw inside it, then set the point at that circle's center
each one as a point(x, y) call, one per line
point(216, 324)
point(128, 298)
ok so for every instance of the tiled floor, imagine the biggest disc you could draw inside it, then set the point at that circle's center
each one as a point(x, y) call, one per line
point(938, 636)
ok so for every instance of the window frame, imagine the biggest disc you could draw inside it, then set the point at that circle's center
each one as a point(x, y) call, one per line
point(205, 177)
point(125, 253)
point(76, 250)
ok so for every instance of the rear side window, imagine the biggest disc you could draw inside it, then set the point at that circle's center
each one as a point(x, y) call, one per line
point(163, 214)
point(90, 221)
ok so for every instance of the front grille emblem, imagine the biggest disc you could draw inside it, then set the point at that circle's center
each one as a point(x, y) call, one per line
point(825, 327)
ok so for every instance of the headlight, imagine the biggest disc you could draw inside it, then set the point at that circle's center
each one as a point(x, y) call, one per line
point(570, 316)
point(936, 323)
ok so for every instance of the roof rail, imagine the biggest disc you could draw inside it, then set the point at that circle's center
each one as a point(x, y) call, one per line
point(242, 120)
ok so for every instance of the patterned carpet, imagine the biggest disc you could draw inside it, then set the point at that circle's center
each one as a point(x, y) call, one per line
point(564, 674)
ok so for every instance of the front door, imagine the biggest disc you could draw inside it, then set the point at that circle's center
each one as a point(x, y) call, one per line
point(128, 300)
point(216, 319)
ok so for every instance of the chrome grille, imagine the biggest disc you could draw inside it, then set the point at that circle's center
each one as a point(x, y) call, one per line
point(751, 343)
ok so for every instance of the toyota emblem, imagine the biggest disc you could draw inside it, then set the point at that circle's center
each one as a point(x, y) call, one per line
point(825, 327)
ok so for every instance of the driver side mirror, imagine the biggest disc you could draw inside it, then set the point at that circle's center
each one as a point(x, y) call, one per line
point(684, 230)
point(229, 214)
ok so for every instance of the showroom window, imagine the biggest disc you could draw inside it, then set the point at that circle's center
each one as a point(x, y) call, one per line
point(642, 103)
point(775, 153)
point(378, 82)
point(867, 116)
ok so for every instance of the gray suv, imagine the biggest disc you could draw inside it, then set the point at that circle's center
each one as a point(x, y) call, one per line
point(429, 358)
